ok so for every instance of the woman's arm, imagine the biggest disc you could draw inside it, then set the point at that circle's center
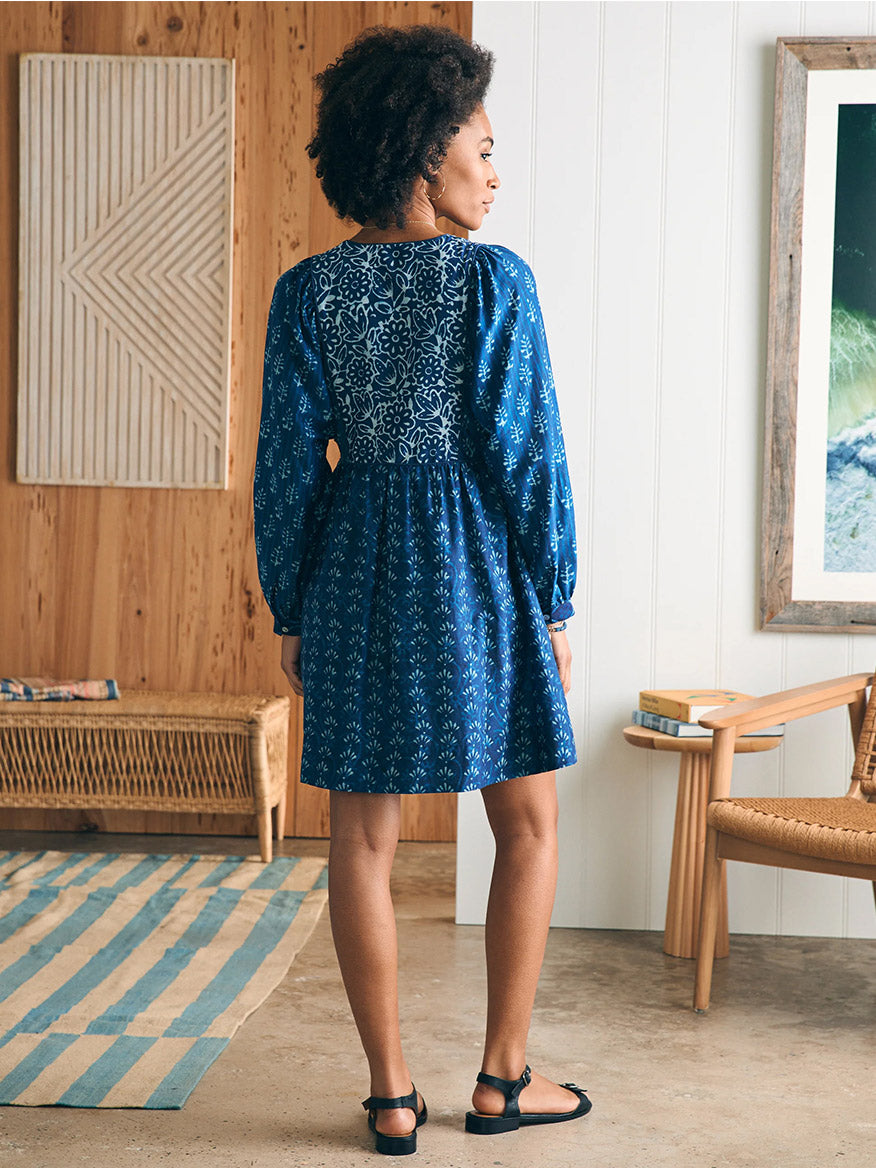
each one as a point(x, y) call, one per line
point(563, 658)
point(290, 662)
point(292, 475)
point(517, 422)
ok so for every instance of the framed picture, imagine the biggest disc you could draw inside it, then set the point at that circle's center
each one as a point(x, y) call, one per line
point(818, 568)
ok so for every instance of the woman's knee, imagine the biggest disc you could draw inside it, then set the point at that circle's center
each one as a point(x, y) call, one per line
point(524, 808)
point(365, 821)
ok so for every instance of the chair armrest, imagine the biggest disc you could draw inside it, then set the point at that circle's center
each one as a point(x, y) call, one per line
point(788, 705)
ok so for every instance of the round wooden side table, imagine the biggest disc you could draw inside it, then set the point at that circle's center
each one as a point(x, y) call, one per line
point(689, 841)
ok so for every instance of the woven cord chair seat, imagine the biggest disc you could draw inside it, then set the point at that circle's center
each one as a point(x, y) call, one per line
point(843, 828)
point(835, 836)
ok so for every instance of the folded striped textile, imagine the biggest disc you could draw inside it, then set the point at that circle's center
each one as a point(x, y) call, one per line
point(124, 976)
point(45, 689)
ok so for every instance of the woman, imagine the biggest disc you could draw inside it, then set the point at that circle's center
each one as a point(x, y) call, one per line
point(421, 589)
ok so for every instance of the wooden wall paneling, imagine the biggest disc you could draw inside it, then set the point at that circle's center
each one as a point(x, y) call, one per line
point(86, 548)
point(627, 349)
point(160, 588)
point(693, 332)
point(428, 817)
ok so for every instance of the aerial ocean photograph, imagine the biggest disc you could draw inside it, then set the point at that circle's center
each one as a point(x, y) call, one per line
point(850, 497)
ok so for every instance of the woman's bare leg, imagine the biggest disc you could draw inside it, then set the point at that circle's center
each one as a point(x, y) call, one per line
point(364, 835)
point(523, 818)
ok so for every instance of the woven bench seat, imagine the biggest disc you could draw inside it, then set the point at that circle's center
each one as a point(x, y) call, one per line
point(149, 751)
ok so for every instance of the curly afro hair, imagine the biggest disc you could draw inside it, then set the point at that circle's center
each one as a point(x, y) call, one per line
point(388, 109)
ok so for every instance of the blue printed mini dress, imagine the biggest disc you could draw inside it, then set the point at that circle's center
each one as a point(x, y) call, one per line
point(420, 573)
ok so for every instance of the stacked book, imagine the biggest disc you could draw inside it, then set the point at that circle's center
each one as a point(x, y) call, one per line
point(678, 711)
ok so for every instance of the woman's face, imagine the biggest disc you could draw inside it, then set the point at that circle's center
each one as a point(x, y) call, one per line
point(471, 180)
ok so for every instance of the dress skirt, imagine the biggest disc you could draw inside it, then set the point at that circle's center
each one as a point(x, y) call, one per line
point(421, 572)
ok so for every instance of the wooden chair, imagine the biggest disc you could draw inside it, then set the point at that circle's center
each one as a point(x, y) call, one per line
point(835, 835)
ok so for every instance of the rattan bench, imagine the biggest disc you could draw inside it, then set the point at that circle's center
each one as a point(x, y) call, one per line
point(149, 751)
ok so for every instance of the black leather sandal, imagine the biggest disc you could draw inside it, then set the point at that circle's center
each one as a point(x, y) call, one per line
point(395, 1145)
point(512, 1118)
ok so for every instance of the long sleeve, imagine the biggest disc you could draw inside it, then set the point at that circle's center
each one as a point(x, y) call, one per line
point(517, 422)
point(292, 474)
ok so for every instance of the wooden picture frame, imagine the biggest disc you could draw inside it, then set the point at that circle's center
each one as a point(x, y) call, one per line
point(797, 592)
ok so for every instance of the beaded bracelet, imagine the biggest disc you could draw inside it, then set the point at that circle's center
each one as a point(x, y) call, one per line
point(557, 628)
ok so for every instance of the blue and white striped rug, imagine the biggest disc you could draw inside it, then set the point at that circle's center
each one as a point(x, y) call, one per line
point(122, 977)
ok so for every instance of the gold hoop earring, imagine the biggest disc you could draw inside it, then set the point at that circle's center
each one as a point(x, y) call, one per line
point(441, 192)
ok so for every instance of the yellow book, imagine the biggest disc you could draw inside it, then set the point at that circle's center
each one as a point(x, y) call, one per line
point(688, 705)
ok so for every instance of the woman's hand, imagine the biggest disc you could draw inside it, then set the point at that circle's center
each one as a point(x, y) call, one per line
point(563, 658)
point(290, 655)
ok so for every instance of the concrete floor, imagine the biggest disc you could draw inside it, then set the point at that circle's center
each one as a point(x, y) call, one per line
point(779, 1073)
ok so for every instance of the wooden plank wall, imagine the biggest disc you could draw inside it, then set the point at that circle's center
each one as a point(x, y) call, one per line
point(159, 588)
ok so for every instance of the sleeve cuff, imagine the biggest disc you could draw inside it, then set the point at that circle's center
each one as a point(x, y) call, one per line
point(561, 612)
point(289, 629)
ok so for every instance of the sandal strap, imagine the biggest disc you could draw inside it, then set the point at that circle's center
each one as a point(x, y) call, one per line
point(373, 1102)
point(510, 1088)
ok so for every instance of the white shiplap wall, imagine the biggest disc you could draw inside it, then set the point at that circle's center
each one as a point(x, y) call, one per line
point(634, 145)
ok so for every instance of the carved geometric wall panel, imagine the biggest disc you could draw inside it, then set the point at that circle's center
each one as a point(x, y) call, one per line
point(125, 270)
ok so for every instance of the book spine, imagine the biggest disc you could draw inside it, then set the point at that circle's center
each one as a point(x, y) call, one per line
point(680, 729)
point(665, 725)
point(672, 708)
point(667, 707)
